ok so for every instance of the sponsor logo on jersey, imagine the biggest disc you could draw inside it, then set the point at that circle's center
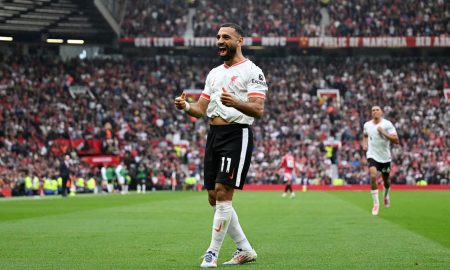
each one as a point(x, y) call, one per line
point(259, 82)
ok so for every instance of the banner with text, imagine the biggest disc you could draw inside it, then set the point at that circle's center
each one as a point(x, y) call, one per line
point(302, 42)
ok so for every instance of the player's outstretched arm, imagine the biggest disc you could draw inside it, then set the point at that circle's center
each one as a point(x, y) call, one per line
point(197, 109)
point(254, 107)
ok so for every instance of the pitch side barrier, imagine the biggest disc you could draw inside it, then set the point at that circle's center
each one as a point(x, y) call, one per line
point(299, 42)
point(281, 187)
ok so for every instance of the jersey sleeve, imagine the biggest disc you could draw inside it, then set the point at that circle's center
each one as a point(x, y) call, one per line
point(206, 93)
point(390, 129)
point(365, 129)
point(257, 86)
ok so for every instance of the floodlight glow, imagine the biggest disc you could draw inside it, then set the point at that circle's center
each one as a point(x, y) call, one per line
point(75, 41)
point(55, 40)
point(2, 38)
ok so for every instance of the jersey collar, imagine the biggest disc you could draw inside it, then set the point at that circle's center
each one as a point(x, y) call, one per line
point(238, 63)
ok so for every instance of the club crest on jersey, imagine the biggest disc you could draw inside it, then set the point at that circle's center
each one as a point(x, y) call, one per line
point(233, 79)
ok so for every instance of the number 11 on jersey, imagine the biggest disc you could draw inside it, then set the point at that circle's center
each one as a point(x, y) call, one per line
point(226, 160)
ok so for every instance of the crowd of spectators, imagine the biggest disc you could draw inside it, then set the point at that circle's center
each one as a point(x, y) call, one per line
point(131, 111)
point(409, 90)
point(389, 18)
point(162, 18)
point(290, 18)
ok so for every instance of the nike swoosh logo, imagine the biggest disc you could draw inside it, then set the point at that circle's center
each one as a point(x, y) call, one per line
point(231, 176)
point(218, 229)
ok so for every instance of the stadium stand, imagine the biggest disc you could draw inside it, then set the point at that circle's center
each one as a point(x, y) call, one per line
point(111, 109)
point(288, 18)
point(155, 18)
point(54, 19)
point(133, 99)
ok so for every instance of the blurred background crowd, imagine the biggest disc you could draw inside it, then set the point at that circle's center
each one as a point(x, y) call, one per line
point(131, 111)
point(288, 18)
point(123, 106)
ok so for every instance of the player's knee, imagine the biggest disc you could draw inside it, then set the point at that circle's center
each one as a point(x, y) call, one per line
point(224, 193)
point(221, 195)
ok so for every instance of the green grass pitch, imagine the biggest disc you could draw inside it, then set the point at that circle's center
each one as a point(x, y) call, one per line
point(171, 230)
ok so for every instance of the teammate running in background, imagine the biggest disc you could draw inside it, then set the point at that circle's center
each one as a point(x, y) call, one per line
point(378, 135)
point(289, 167)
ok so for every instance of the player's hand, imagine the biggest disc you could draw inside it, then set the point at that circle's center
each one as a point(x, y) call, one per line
point(180, 101)
point(382, 132)
point(227, 98)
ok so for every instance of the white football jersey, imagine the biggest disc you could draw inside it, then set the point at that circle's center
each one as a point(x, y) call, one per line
point(243, 80)
point(378, 145)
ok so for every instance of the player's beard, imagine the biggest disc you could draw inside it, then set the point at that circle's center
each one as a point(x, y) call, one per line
point(231, 52)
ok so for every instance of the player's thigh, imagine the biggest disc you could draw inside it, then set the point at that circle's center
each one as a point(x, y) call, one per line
point(210, 163)
point(373, 167)
point(373, 171)
point(235, 158)
point(385, 169)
